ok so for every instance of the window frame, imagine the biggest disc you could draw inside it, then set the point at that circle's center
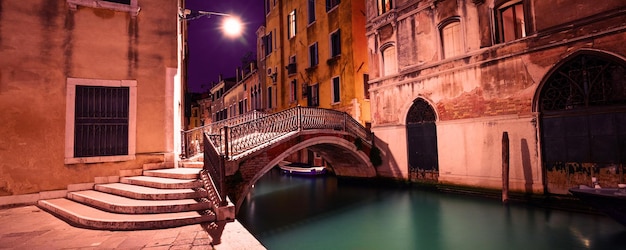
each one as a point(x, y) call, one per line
point(313, 91)
point(269, 98)
point(132, 8)
point(268, 44)
point(311, 11)
point(313, 55)
point(70, 105)
point(335, 43)
point(335, 90)
point(460, 42)
point(293, 90)
point(332, 5)
point(384, 6)
point(388, 48)
point(291, 24)
point(499, 29)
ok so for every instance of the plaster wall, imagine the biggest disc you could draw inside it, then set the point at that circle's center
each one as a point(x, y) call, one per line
point(45, 42)
point(470, 152)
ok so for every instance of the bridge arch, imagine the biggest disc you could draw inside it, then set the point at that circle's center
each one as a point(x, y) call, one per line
point(338, 149)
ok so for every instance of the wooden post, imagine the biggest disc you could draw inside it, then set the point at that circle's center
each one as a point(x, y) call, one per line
point(505, 167)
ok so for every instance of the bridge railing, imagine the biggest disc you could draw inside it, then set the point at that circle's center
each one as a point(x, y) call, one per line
point(221, 144)
point(214, 164)
point(192, 143)
point(245, 136)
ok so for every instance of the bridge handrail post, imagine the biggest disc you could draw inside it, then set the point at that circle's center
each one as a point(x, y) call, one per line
point(183, 152)
point(222, 182)
point(226, 151)
point(299, 118)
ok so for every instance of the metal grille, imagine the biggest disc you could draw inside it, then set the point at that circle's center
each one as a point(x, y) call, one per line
point(101, 121)
point(420, 112)
point(585, 81)
point(127, 2)
point(422, 137)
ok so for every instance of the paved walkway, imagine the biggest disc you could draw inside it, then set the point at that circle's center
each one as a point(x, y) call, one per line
point(29, 227)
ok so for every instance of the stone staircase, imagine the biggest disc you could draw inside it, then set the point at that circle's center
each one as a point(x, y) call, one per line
point(159, 198)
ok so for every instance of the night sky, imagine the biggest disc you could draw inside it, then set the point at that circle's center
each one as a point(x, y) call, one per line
point(212, 53)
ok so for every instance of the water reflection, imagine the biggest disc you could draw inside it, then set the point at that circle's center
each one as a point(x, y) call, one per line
point(290, 212)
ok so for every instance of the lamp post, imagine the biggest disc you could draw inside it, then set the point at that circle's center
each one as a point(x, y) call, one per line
point(232, 27)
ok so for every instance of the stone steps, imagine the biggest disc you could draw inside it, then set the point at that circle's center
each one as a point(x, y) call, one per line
point(159, 198)
point(82, 215)
point(160, 182)
point(146, 193)
point(176, 173)
point(120, 204)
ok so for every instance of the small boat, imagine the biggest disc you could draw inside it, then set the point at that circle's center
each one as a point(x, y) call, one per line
point(296, 168)
point(610, 201)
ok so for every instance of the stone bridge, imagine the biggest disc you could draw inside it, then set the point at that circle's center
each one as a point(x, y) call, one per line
point(239, 151)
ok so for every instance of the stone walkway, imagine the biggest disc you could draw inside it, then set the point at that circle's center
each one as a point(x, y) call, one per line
point(29, 227)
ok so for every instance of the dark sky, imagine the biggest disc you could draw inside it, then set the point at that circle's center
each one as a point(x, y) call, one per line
point(210, 52)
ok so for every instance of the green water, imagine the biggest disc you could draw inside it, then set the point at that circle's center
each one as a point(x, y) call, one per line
point(288, 212)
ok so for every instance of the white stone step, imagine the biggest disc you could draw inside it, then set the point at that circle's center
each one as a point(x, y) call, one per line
point(161, 182)
point(119, 204)
point(85, 216)
point(146, 193)
point(174, 173)
point(192, 164)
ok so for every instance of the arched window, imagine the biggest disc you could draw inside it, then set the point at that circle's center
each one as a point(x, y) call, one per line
point(390, 62)
point(451, 39)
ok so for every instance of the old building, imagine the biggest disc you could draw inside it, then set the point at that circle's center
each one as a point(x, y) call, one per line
point(449, 77)
point(219, 109)
point(309, 52)
point(87, 88)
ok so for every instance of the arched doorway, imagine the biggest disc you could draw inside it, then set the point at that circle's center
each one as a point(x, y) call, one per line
point(583, 122)
point(422, 142)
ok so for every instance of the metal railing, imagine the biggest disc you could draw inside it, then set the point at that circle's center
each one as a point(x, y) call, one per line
point(221, 144)
point(192, 143)
point(214, 165)
point(242, 137)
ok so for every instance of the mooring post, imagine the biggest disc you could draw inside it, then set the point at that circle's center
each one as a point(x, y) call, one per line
point(505, 167)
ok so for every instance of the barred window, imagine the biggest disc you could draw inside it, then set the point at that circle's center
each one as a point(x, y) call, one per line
point(100, 120)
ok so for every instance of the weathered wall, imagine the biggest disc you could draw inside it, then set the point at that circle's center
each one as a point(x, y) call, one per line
point(350, 66)
point(45, 42)
point(481, 94)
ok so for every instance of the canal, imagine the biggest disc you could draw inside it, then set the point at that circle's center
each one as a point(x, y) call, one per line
point(291, 212)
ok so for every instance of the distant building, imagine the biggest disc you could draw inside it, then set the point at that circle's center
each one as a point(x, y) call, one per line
point(88, 88)
point(310, 55)
point(219, 108)
point(449, 77)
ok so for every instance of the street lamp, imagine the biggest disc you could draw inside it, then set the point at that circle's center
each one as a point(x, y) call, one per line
point(231, 25)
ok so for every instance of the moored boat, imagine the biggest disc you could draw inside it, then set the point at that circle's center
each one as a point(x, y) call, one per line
point(296, 168)
point(610, 201)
